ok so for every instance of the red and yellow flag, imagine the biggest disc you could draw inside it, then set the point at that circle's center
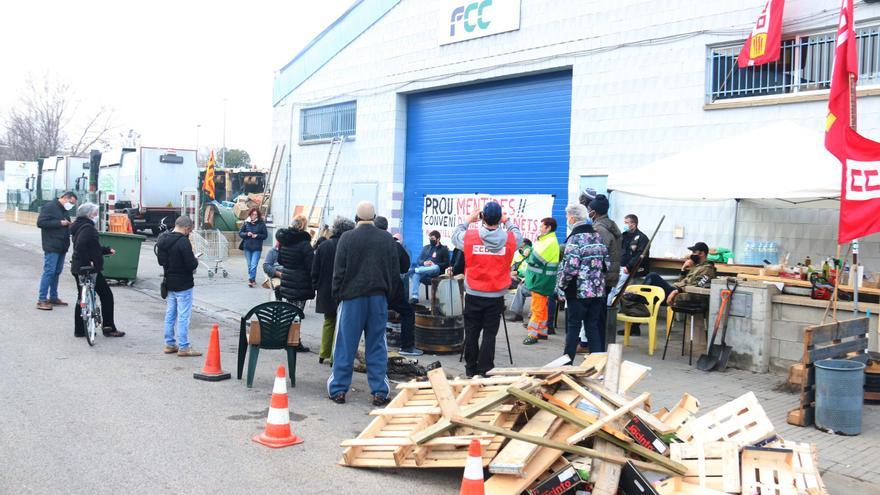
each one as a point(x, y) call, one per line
point(765, 41)
point(841, 101)
point(208, 186)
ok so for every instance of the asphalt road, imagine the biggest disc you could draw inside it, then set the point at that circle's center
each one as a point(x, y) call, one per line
point(122, 417)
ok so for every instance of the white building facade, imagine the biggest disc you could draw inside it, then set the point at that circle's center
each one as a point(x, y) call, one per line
point(550, 96)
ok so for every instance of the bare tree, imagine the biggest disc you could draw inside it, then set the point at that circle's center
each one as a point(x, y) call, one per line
point(45, 117)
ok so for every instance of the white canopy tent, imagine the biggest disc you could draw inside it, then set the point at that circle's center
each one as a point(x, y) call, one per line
point(781, 162)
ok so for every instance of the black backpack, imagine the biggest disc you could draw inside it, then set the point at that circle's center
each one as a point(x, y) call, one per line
point(632, 304)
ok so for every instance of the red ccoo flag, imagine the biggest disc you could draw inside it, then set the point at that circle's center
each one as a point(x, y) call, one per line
point(860, 188)
point(765, 41)
point(841, 101)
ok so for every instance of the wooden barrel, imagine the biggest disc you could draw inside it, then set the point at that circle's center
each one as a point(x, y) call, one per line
point(439, 334)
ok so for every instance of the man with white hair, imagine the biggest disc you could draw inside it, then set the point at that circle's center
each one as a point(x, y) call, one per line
point(365, 270)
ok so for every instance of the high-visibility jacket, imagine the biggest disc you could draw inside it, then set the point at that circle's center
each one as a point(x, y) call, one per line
point(485, 271)
point(543, 264)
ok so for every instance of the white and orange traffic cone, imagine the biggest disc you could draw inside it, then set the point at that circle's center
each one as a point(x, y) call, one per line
point(277, 433)
point(472, 482)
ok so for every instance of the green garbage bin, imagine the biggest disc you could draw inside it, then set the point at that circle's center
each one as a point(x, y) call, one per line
point(122, 266)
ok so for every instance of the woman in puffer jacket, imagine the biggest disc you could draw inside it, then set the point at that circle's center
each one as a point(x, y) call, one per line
point(296, 255)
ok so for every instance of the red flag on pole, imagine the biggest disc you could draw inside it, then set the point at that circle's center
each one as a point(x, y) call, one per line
point(860, 188)
point(765, 41)
point(841, 101)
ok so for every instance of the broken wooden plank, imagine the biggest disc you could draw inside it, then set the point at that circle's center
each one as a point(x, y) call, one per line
point(444, 425)
point(590, 418)
point(443, 392)
point(514, 457)
point(573, 449)
point(608, 419)
point(544, 458)
point(597, 360)
point(463, 382)
point(686, 409)
point(618, 400)
point(538, 371)
point(405, 411)
point(589, 397)
point(606, 475)
point(630, 375)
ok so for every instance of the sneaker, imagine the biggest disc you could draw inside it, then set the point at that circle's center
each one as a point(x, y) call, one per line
point(44, 305)
point(170, 349)
point(530, 340)
point(301, 348)
point(251, 283)
point(543, 337)
point(380, 401)
point(338, 398)
point(188, 352)
point(57, 302)
point(412, 351)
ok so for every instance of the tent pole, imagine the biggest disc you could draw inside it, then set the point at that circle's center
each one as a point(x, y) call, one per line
point(735, 218)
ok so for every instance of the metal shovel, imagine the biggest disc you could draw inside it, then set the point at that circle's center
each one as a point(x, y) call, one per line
point(724, 349)
point(709, 360)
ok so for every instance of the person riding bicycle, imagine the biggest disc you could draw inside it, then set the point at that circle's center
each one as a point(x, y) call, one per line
point(88, 251)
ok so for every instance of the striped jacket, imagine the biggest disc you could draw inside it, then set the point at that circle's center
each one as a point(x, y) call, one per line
point(584, 264)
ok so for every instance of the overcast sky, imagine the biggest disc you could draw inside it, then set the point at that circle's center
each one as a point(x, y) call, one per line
point(165, 66)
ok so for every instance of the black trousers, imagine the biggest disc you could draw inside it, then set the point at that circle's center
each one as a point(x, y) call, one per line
point(482, 315)
point(106, 296)
point(399, 304)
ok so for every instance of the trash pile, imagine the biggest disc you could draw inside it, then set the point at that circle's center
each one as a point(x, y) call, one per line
point(576, 429)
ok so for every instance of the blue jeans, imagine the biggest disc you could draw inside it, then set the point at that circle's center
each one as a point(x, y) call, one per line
point(368, 316)
point(53, 265)
point(179, 309)
point(253, 260)
point(416, 275)
point(586, 313)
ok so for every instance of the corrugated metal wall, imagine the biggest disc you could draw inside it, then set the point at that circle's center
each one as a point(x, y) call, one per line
point(504, 137)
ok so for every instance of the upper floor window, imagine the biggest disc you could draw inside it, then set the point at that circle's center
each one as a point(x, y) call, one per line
point(327, 122)
point(804, 64)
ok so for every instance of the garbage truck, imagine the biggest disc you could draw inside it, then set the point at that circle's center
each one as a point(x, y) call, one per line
point(21, 183)
point(146, 183)
point(64, 173)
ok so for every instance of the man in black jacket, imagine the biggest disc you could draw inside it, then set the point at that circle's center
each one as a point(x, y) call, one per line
point(633, 244)
point(54, 222)
point(398, 302)
point(176, 257)
point(364, 274)
point(432, 261)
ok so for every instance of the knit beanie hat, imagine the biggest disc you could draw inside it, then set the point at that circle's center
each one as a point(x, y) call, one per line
point(492, 213)
point(599, 204)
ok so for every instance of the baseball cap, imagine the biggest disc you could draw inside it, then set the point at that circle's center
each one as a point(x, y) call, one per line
point(700, 246)
point(492, 213)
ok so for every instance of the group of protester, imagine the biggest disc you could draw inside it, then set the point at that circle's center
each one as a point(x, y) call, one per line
point(357, 272)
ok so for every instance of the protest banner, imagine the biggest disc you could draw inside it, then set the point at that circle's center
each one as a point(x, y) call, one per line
point(444, 212)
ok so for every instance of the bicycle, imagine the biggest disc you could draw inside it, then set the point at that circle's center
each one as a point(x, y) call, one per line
point(90, 305)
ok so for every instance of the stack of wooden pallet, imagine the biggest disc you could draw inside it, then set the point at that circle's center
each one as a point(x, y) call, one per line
point(535, 423)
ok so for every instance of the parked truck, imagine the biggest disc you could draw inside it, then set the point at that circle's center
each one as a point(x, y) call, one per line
point(64, 173)
point(147, 183)
point(21, 183)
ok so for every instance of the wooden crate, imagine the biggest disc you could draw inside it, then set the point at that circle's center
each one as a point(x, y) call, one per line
point(741, 421)
point(767, 471)
point(839, 340)
point(677, 486)
point(713, 465)
point(387, 441)
point(684, 411)
point(805, 463)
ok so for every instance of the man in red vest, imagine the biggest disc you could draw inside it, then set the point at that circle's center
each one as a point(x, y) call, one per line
point(488, 251)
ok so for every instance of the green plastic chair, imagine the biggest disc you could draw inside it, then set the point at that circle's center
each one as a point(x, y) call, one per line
point(275, 318)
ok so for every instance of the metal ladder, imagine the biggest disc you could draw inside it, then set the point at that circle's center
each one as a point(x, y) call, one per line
point(322, 195)
point(271, 180)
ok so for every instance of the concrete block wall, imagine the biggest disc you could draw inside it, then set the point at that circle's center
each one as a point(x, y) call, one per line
point(749, 336)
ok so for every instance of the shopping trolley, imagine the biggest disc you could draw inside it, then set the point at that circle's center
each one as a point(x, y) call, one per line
point(212, 249)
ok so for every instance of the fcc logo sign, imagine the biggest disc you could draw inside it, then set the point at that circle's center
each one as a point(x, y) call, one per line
point(462, 20)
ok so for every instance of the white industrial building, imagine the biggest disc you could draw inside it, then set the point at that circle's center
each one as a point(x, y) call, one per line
point(551, 96)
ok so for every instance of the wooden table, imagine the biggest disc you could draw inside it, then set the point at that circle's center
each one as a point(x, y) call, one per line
point(796, 282)
point(675, 264)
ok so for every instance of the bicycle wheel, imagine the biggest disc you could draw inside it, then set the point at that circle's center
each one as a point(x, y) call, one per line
point(92, 323)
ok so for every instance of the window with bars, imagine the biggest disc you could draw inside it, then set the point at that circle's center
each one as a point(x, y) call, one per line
point(327, 122)
point(804, 64)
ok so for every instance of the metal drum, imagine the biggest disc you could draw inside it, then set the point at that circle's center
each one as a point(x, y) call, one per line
point(439, 334)
point(839, 395)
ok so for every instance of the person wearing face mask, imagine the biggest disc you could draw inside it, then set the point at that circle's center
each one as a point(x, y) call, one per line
point(432, 261)
point(175, 255)
point(541, 279)
point(697, 270)
point(54, 223)
point(88, 251)
point(633, 244)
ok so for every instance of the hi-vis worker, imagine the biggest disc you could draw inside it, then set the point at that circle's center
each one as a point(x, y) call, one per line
point(488, 251)
point(541, 279)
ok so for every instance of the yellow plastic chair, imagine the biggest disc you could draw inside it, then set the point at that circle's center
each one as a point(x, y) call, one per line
point(655, 297)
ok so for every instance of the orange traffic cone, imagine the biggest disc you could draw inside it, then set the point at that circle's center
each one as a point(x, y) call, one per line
point(277, 433)
point(472, 483)
point(212, 372)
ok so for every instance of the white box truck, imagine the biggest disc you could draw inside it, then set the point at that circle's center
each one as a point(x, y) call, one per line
point(21, 182)
point(147, 182)
point(64, 173)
